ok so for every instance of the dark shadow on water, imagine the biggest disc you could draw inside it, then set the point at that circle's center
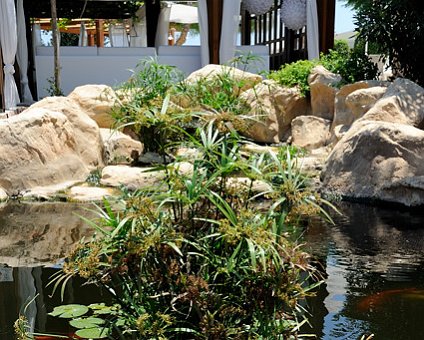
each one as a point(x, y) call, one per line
point(374, 258)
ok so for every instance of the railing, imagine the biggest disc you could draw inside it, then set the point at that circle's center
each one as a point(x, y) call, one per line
point(285, 45)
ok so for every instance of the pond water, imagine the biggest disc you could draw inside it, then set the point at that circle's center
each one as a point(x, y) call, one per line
point(374, 258)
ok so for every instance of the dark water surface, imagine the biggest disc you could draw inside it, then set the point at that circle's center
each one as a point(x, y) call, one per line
point(374, 258)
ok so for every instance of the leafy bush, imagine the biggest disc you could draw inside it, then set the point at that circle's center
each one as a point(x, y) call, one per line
point(188, 258)
point(352, 64)
point(397, 27)
point(217, 94)
point(295, 74)
point(145, 105)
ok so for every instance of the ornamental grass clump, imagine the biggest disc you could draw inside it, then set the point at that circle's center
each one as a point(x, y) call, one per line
point(205, 256)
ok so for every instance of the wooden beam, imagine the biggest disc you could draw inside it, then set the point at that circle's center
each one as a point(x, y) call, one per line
point(326, 18)
point(1, 82)
point(152, 17)
point(100, 34)
point(215, 8)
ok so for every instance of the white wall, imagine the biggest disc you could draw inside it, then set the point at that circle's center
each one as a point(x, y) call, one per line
point(111, 66)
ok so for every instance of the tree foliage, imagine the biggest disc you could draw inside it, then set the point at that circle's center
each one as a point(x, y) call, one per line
point(398, 27)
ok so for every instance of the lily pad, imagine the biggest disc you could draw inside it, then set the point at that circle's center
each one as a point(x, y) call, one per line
point(101, 308)
point(86, 322)
point(93, 333)
point(69, 311)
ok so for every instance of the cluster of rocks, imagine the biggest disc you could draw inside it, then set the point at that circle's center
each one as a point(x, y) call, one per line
point(371, 132)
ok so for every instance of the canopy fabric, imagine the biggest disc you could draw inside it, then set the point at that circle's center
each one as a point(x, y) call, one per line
point(312, 30)
point(22, 53)
point(163, 27)
point(183, 14)
point(204, 32)
point(118, 35)
point(229, 30)
point(83, 37)
point(9, 42)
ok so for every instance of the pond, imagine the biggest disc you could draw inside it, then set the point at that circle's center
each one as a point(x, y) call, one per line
point(374, 259)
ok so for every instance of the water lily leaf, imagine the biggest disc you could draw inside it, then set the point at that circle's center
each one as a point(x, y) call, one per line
point(101, 308)
point(92, 333)
point(69, 311)
point(86, 322)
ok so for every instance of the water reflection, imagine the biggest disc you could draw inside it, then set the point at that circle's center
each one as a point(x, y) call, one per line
point(33, 236)
point(374, 261)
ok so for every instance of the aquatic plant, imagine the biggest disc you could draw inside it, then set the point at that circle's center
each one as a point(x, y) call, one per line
point(189, 257)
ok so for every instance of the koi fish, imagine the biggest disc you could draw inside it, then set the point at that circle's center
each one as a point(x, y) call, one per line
point(376, 300)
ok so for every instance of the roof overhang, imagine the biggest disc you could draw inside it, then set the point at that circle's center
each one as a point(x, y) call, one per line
point(73, 9)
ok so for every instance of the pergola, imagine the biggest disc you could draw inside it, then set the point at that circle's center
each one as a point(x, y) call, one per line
point(122, 9)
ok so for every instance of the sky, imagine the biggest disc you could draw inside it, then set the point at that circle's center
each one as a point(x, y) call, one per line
point(344, 18)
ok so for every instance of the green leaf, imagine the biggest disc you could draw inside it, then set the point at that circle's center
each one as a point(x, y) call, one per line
point(69, 311)
point(86, 322)
point(93, 333)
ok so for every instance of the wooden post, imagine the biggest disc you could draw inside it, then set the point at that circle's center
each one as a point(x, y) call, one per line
point(100, 34)
point(152, 16)
point(245, 27)
point(56, 49)
point(1, 82)
point(326, 17)
point(215, 8)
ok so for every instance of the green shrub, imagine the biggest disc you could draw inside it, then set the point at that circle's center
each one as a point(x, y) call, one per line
point(145, 105)
point(295, 74)
point(352, 64)
point(188, 258)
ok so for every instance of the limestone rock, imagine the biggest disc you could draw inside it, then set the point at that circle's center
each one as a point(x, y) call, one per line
point(49, 192)
point(273, 107)
point(323, 91)
point(211, 71)
point(39, 147)
point(97, 101)
point(378, 160)
point(3, 195)
point(90, 194)
point(86, 132)
point(402, 103)
point(132, 178)
point(119, 147)
point(360, 101)
point(310, 132)
point(343, 112)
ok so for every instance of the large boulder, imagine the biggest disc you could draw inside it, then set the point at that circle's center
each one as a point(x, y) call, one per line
point(97, 101)
point(378, 161)
point(39, 147)
point(323, 84)
point(403, 103)
point(211, 71)
point(273, 107)
point(343, 108)
point(119, 147)
point(86, 132)
point(310, 132)
point(360, 101)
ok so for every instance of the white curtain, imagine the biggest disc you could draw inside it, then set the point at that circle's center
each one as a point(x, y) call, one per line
point(202, 9)
point(229, 30)
point(118, 35)
point(163, 27)
point(22, 53)
point(138, 31)
point(9, 42)
point(83, 37)
point(312, 30)
point(36, 35)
